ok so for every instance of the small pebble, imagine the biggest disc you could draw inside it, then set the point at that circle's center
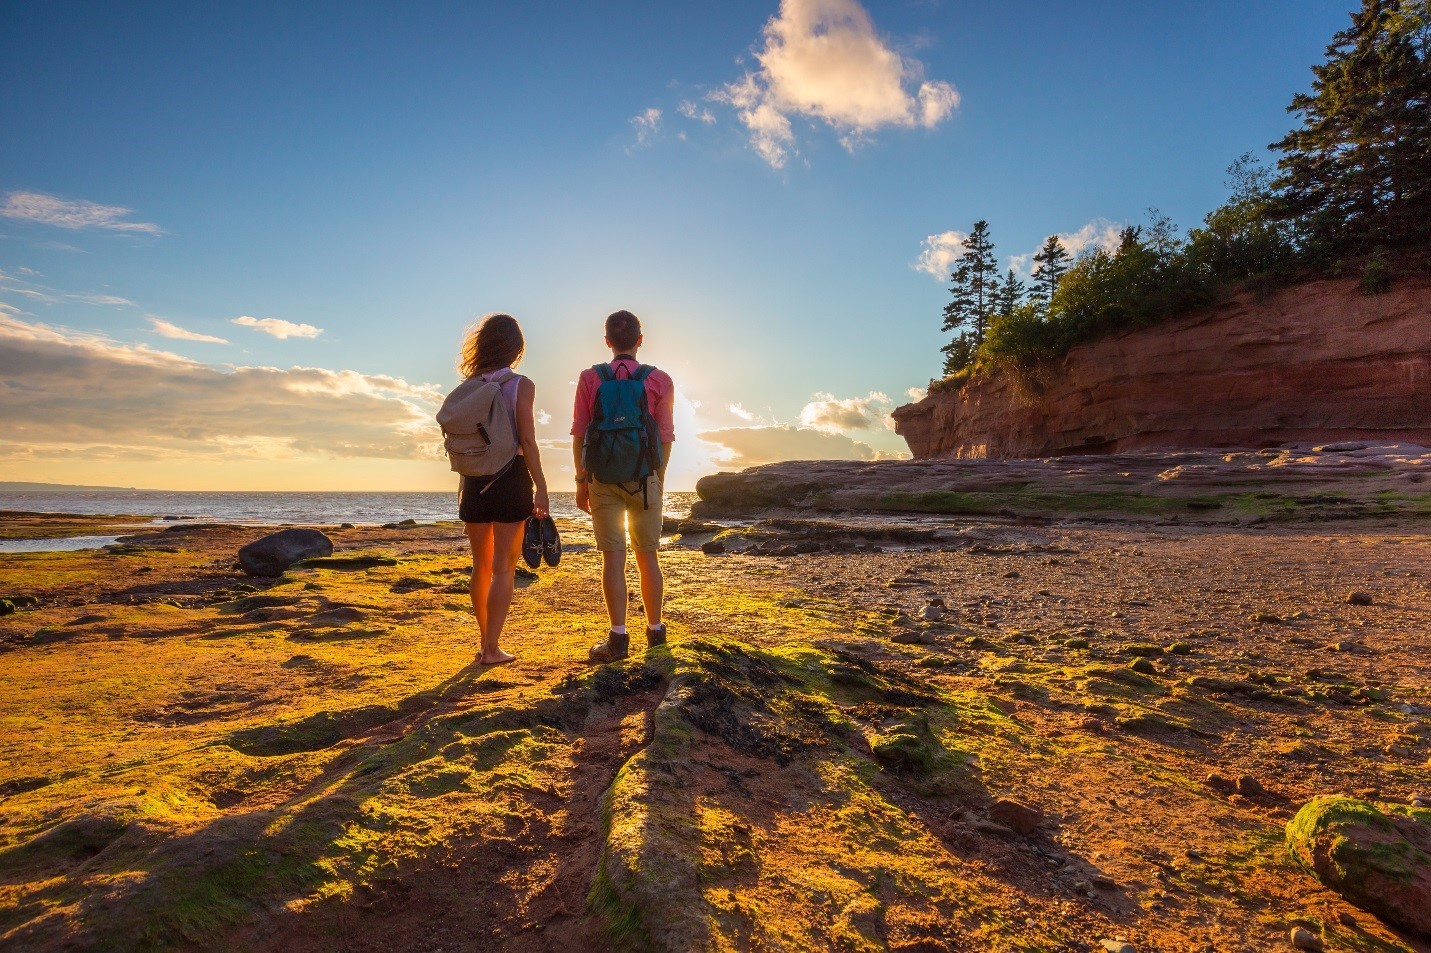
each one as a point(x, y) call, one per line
point(1118, 946)
point(1304, 939)
point(1358, 598)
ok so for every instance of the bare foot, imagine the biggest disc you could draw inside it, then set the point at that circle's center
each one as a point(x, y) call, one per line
point(496, 658)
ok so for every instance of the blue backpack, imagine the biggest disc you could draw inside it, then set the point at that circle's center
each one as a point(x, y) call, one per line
point(622, 445)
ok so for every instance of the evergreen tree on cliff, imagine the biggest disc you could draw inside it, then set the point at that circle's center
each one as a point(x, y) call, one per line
point(1010, 294)
point(1052, 261)
point(974, 285)
point(1357, 175)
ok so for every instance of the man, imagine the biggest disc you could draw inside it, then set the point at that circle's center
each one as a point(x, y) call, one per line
point(622, 505)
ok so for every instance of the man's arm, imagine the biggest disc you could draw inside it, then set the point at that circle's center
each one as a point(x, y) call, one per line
point(580, 417)
point(583, 484)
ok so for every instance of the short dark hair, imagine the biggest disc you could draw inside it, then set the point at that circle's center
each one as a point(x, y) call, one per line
point(623, 329)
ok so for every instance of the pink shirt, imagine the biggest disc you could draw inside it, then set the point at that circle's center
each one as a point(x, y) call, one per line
point(660, 397)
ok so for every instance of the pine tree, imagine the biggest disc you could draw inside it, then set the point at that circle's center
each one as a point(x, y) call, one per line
point(974, 287)
point(1357, 174)
point(1010, 294)
point(959, 353)
point(1052, 261)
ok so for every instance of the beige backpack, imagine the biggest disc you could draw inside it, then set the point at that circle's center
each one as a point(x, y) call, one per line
point(477, 426)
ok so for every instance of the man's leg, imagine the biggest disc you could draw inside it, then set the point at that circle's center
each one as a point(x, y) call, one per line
point(644, 519)
point(608, 522)
point(613, 584)
point(653, 586)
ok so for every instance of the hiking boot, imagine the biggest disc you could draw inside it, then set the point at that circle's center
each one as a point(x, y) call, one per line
point(614, 649)
point(551, 542)
point(532, 542)
point(656, 634)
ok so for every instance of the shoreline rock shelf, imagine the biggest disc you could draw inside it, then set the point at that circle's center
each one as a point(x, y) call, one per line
point(1212, 487)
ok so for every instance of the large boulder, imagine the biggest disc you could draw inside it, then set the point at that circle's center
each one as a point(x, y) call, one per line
point(274, 553)
point(1377, 856)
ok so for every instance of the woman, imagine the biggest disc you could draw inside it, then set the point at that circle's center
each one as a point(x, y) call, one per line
point(495, 518)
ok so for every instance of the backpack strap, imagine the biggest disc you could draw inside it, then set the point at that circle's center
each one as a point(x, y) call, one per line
point(603, 374)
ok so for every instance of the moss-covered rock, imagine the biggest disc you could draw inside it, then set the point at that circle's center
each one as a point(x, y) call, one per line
point(1377, 856)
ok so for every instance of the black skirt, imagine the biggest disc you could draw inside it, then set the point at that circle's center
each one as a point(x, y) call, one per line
point(508, 500)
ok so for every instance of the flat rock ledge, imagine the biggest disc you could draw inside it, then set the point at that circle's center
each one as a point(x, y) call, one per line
point(1327, 482)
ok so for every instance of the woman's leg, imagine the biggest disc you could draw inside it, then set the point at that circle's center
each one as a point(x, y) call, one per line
point(506, 547)
point(480, 536)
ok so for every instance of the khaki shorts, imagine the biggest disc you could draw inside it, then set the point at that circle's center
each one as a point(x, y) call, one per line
point(614, 511)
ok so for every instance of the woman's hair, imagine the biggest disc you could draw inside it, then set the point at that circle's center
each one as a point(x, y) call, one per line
point(495, 342)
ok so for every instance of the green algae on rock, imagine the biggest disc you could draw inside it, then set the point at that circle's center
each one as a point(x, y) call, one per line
point(1378, 856)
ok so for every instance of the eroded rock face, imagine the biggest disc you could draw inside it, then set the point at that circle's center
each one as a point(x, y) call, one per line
point(274, 553)
point(1377, 857)
point(1315, 363)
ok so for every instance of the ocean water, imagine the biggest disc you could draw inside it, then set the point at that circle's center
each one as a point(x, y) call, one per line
point(278, 508)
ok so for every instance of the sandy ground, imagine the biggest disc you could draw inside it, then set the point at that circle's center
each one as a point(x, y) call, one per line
point(183, 769)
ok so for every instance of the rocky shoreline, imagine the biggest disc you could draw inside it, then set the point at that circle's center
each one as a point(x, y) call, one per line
point(1083, 728)
point(1211, 487)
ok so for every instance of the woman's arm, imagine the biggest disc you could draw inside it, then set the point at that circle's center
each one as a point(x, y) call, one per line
point(527, 436)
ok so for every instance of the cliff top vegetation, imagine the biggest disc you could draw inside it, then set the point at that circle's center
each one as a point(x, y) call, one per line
point(1349, 194)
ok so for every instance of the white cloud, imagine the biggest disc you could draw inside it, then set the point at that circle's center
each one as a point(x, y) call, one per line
point(50, 210)
point(739, 410)
point(917, 393)
point(166, 330)
point(1099, 233)
point(823, 60)
point(48, 295)
point(940, 252)
point(647, 125)
point(62, 388)
point(278, 327)
point(690, 110)
point(543, 418)
point(830, 414)
point(742, 447)
point(111, 300)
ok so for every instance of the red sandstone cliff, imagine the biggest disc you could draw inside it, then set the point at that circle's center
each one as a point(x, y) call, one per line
point(1317, 362)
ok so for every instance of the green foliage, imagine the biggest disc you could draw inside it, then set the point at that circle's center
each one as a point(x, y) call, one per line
point(1240, 241)
point(1351, 195)
point(974, 287)
point(959, 353)
point(1051, 261)
point(1376, 274)
point(1355, 175)
point(1149, 277)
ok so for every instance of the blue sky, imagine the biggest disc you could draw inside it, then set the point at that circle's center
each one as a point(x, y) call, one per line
point(760, 182)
